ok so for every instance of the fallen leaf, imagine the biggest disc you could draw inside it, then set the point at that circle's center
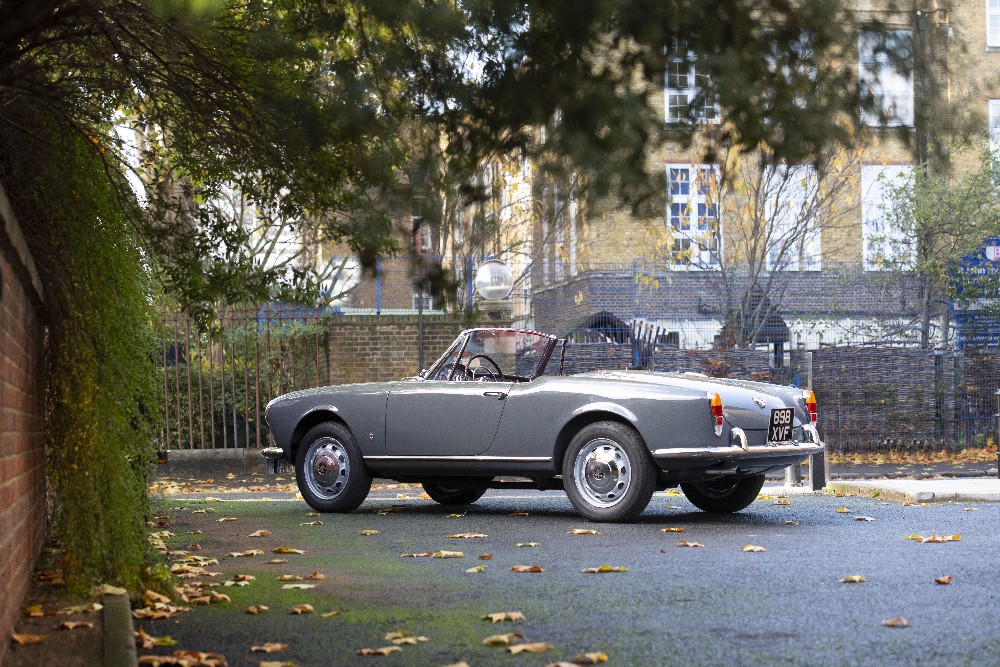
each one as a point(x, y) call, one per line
point(672, 492)
point(782, 502)
point(245, 554)
point(301, 609)
point(226, 518)
point(526, 568)
point(458, 664)
point(277, 561)
point(500, 616)
point(519, 514)
point(317, 522)
point(864, 518)
point(969, 509)
point(791, 523)
point(852, 579)
point(897, 622)
point(24, 639)
point(316, 576)
point(590, 658)
point(448, 554)
point(244, 577)
point(685, 543)
point(72, 625)
point(287, 550)
point(277, 663)
point(843, 510)
point(290, 577)
point(583, 531)
point(456, 516)
point(400, 637)
point(269, 647)
point(944, 581)
point(385, 650)
point(148, 641)
point(503, 640)
point(528, 544)
point(676, 529)
point(258, 609)
point(426, 554)
point(478, 568)
point(330, 614)
point(485, 556)
point(369, 532)
point(260, 533)
point(750, 548)
point(467, 536)
point(34, 611)
point(531, 647)
point(603, 569)
point(302, 587)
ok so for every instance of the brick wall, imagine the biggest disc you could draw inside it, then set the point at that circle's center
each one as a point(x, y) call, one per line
point(22, 454)
point(368, 348)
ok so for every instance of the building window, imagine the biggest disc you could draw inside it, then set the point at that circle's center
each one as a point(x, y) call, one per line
point(686, 93)
point(882, 81)
point(994, 116)
point(794, 242)
point(693, 215)
point(884, 244)
point(993, 23)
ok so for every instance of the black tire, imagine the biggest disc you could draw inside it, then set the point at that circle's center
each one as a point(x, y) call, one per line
point(330, 471)
point(725, 495)
point(456, 493)
point(608, 472)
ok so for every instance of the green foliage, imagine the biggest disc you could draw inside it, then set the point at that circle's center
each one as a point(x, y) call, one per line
point(101, 399)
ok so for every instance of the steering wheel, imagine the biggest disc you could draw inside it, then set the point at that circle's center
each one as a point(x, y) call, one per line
point(471, 372)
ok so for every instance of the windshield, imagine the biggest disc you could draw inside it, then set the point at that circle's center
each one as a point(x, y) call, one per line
point(494, 355)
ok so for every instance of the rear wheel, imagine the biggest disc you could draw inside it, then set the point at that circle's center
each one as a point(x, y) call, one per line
point(724, 495)
point(329, 469)
point(454, 493)
point(608, 473)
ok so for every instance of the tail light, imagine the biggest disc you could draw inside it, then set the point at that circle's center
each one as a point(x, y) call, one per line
point(715, 401)
point(810, 404)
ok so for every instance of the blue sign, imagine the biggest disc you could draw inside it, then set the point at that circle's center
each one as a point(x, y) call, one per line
point(977, 285)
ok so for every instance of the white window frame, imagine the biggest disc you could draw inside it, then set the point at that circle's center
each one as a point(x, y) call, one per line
point(692, 206)
point(993, 24)
point(682, 72)
point(791, 191)
point(993, 114)
point(877, 75)
point(877, 239)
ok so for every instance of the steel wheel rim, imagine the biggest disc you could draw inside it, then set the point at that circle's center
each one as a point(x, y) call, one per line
point(602, 472)
point(327, 469)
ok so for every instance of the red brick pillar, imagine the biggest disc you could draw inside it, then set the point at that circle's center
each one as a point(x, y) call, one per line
point(22, 443)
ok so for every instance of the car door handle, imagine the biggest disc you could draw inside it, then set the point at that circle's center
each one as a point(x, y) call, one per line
point(499, 394)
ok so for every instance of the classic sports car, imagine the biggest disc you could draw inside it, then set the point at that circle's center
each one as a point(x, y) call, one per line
point(486, 410)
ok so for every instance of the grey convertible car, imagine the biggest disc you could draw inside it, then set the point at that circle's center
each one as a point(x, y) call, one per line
point(487, 411)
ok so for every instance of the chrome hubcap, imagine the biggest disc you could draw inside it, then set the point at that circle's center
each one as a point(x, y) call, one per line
point(328, 469)
point(602, 472)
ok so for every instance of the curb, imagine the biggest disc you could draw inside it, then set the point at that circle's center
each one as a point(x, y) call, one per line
point(119, 633)
point(889, 492)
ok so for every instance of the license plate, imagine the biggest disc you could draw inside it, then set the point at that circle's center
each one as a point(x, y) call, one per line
point(780, 427)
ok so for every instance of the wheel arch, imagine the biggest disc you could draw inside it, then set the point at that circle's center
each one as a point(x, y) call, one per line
point(308, 421)
point(582, 420)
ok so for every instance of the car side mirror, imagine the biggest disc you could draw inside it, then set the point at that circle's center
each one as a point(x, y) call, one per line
point(422, 374)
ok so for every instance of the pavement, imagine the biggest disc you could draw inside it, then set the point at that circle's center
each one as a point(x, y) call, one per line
point(923, 483)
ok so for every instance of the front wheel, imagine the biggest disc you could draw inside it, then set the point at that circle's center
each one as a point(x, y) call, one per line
point(329, 469)
point(724, 495)
point(608, 473)
point(456, 493)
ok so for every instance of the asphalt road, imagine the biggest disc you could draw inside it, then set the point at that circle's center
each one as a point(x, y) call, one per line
point(675, 605)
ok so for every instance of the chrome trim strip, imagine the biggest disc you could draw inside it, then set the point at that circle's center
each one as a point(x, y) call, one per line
point(272, 452)
point(522, 459)
point(803, 448)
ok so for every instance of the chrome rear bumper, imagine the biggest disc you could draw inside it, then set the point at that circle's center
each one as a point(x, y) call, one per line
point(272, 453)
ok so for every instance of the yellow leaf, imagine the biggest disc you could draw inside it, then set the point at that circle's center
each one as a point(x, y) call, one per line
point(750, 548)
point(897, 622)
point(782, 502)
point(290, 577)
point(672, 530)
point(369, 532)
point(456, 516)
point(227, 518)
point(71, 625)
point(478, 568)
point(583, 531)
point(526, 568)
point(288, 550)
point(944, 581)
point(603, 569)
point(316, 576)
point(590, 658)
point(672, 492)
point(330, 614)
point(427, 554)
point(385, 650)
point(257, 609)
point(24, 639)
point(301, 609)
point(499, 616)
point(528, 544)
point(260, 533)
point(246, 554)
point(852, 579)
point(448, 554)
point(269, 647)
point(685, 543)
point(317, 522)
point(532, 647)
point(843, 510)
point(503, 640)
point(458, 664)
point(34, 611)
point(467, 536)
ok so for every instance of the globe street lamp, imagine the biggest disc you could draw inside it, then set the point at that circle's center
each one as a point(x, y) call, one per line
point(494, 280)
